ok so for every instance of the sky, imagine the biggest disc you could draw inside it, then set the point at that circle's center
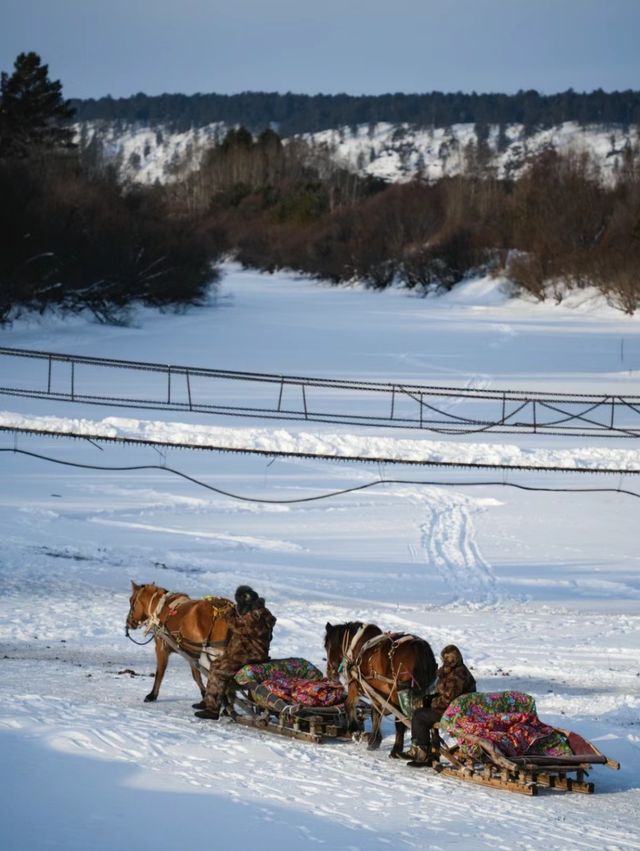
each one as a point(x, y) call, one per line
point(122, 47)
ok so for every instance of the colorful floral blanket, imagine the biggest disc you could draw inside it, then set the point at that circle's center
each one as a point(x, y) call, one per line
point(293, 667)
point(286, 683)
point(507, 719)
point(306, 692)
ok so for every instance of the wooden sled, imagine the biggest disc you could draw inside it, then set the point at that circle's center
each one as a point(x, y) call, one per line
point(252, 705)
point(524, 775)
point(478, 760)
point(314, 724)
point(310, 724)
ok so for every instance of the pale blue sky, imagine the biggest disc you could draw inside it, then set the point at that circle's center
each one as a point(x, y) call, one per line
point(120, 47)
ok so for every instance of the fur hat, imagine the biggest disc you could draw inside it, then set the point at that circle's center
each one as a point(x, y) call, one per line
point(247, 599)
point(453, 654)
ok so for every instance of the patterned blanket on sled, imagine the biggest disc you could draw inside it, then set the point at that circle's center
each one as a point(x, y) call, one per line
point(284, 683)
point(508, 720)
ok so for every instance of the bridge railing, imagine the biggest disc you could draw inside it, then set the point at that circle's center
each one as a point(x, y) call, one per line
point(116, 383)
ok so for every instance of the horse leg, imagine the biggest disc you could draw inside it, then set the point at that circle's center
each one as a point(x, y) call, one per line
point(398, 745)
point(375, 736)
point(198, 681)
point(162, 658)
point(353, 725)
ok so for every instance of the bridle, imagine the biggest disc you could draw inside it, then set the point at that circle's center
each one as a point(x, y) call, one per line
point(126, 626)
point(333, 668)
point(348, 644)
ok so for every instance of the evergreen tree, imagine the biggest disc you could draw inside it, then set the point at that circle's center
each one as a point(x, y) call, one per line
point(33, 113)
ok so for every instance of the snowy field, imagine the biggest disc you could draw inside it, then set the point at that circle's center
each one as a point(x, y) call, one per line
point(541, 591)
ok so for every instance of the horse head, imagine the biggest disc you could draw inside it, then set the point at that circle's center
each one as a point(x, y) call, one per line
point(332, 646)
point(139, 603)
point(338, 640)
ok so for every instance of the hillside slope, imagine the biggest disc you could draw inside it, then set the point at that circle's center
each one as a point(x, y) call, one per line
point(393, 152)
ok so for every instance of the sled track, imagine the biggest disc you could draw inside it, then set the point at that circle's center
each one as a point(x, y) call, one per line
point(448, 541)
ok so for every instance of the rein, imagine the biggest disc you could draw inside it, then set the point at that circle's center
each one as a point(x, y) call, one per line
point(151, 621)
point(348, 646)
point(126, 628)
point(139, 643)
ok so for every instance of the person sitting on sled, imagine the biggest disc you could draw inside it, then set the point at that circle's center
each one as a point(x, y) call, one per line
point(454, 679)
point(249, 642)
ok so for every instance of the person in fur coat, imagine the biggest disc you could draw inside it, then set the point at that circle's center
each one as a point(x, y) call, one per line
point(249, 642)
point(454, 679)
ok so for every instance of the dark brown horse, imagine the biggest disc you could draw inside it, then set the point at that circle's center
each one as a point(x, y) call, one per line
point(195, 626)
point(378, 665)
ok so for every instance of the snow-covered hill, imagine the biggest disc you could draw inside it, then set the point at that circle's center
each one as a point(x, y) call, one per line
point(397, 152)
point(391, 151)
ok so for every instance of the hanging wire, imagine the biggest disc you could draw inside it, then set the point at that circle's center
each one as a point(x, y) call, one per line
point(326, 495)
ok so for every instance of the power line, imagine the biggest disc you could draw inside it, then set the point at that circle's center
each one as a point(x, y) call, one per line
point(317, 497)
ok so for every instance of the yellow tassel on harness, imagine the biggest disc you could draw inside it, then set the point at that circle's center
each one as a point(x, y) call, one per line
point(222, 607)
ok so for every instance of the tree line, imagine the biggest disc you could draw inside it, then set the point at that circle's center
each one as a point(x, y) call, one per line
point(73, 237)
point(559, 226)
point(294, 114)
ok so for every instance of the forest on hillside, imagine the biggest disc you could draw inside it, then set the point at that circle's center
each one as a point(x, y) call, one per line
point(288, 205)
point(292, 114)
point(73, 236)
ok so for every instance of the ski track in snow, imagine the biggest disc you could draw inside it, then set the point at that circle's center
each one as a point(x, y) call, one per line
point(448, 540)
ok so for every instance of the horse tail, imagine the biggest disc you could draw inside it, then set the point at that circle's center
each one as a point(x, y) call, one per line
point(426, 667)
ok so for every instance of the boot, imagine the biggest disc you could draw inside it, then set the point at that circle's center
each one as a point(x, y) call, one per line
point(200, 705)
point(207, 713)
point(421, 757)
point(410, 754)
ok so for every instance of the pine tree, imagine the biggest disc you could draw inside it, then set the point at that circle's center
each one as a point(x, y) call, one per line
point(33, 113)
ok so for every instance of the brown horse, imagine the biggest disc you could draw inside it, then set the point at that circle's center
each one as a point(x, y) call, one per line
point(378, 665)
point(195, 626)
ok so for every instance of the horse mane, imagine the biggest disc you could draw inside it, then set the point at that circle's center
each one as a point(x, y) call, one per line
point(335, 632)
point(351, 626)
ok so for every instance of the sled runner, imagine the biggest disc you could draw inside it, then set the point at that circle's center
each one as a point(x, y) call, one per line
point(501, 742)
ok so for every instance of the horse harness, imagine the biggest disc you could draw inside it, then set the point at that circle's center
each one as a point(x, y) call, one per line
point(202, 652)
point(351, 662)
point(352, 665)
point(348, 649)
